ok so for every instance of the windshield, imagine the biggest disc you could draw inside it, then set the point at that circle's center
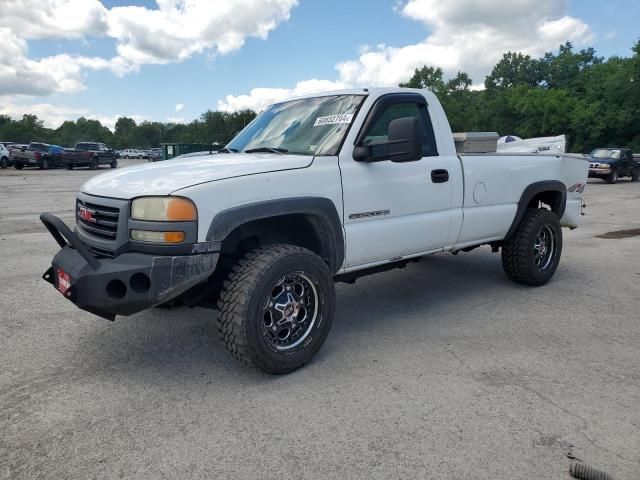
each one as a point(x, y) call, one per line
point(605, 153)
point(310, 126)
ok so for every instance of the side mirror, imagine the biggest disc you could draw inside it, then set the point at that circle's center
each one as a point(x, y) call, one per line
point(405, 140)
point(404, 143)
point(360, 154)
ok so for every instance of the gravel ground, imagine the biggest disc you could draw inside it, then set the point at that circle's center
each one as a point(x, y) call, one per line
point(443, 370)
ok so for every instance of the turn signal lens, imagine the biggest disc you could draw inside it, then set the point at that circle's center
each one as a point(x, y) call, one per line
point(157, 237)
point(163, 209)
point(173, 237)
point(181, 210)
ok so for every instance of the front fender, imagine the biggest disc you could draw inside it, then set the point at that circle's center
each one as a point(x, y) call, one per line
point(319, 208)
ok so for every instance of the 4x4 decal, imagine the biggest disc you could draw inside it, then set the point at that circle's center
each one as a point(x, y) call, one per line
point(578, 188)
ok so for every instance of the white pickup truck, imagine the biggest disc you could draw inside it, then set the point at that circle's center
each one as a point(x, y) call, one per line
point(318, 189)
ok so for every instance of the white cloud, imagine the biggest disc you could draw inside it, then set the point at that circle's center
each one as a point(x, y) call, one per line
point(53, 18)
point(58, 73)
point(179, 106)
point(54, 115)
point(174, 31)
point(259, 98)
point(468, 35)
point(176, 120)
point(178, 29)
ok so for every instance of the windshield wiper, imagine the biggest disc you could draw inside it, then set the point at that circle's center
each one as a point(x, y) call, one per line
point(228, 150)
point(267, 150)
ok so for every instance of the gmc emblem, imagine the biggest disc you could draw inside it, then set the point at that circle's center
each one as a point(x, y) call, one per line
point(87, 215)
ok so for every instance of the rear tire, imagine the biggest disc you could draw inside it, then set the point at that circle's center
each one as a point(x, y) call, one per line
point(44, 165)
point(635, 176)
point(69, 167)
point(94, 165)
point(18, 166)
point(532, 254)
point(612, 177)
point(114, 164)
point(4, 163)
point(276, 308)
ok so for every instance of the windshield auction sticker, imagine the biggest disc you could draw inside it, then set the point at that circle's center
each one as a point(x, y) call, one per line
point(334, 119)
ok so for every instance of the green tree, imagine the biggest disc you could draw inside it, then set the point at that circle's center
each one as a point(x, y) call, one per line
point(515, 69)
point(427, 77)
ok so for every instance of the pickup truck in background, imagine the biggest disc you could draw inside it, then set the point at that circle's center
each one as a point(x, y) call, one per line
point(36, 154)
point(89, 154)
point(612, 163)
point(318, 189)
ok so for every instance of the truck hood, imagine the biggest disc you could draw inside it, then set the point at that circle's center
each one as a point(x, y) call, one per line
point(164, 178)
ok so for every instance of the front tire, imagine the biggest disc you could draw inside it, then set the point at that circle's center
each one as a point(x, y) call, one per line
point(635, 176)
point(276, 308)
point(18, 166)
point(612, 177)
point(114, 164)
point(532, 254)
point(4, 163)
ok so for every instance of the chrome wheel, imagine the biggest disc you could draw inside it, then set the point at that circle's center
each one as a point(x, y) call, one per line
point(544, 248)
point(290, 311)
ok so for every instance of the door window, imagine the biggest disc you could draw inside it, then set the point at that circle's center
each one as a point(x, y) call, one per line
point(378, 132)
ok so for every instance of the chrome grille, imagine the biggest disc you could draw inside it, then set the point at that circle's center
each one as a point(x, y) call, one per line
point(102, 221)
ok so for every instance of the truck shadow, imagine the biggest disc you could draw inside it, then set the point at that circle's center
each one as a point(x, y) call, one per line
point(185, 340)
point(421, 289)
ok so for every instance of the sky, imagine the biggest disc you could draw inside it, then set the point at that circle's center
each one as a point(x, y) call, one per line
point(171, 60)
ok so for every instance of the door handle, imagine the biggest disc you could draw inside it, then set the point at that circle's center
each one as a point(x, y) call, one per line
point(439, 176)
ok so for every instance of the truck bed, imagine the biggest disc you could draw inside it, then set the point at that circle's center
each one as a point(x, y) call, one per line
point(493, 186)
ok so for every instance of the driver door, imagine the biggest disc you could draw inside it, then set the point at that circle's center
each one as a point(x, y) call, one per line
point(391, 209)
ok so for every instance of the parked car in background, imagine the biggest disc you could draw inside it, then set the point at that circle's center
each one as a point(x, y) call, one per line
point(131, 153)
point(155, 155)
point(4, 157)
point(36, 154)
point(612, 163)
point(7, 144)
point(89, 154)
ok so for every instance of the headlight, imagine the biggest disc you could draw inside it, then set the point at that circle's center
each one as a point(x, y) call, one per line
point(604, 165)
point(163, 209)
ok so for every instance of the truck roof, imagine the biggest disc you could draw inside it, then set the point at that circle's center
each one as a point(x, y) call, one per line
point(374, 91)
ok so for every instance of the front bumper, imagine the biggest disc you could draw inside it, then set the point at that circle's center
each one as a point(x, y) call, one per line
point(126, 284)
point(599, 172)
